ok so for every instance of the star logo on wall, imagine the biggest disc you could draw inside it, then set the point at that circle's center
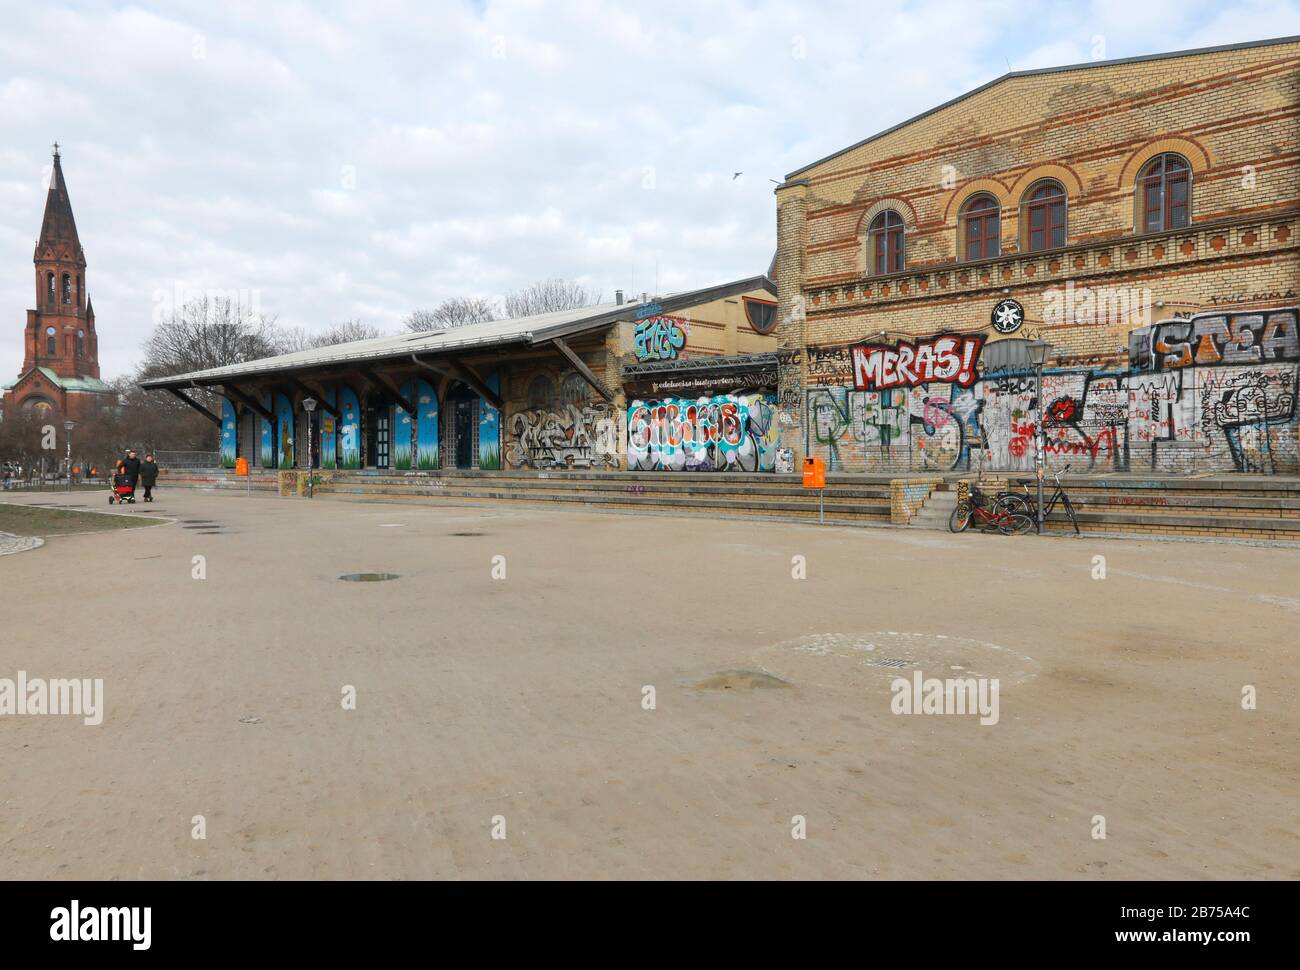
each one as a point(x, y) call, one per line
point(1007, 316)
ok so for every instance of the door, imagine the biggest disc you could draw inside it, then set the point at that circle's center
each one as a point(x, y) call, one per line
point(464, 428)
point(377, 430)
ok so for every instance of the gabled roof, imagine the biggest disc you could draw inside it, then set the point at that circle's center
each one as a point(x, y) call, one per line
point(1088, 66)
point(58, 228)
point(88, 385)
point(526, 331)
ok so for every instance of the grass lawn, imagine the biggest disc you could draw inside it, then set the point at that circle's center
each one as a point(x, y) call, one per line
point(24, 520)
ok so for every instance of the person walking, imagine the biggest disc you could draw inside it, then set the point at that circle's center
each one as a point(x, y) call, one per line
point(148, 476)
point(129, 469)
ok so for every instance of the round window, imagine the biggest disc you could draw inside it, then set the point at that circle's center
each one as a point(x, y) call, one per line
point(49, 331)
point(81, 333)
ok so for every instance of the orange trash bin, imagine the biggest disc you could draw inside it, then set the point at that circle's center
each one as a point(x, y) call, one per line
point(814, 473)
point(241, 467)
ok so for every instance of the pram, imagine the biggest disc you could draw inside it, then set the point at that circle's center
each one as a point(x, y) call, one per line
point(122, 491)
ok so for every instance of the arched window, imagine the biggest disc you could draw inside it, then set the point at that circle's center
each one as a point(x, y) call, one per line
point(1044, 216)
point(574, 390)
point(49, 287)
point(885, 244)
point(981, 225)
point(541, 392)
point(81, 343)
point(1164, 193)
point(51, 343)
point(67, 288)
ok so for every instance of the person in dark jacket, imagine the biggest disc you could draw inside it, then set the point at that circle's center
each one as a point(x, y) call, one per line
point(129, 469)
point(148, 476)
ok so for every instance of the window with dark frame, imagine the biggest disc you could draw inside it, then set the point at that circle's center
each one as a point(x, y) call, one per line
point(886, 244)
point(49, 287)
point(67, 288)
point(761, 315)
point(1165, 193)
point(1045, 216)
point(981, 227)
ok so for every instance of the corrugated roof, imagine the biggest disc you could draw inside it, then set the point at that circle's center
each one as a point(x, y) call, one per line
point(522, 330)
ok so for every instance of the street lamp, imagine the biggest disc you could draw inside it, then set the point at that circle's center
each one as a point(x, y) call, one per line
point(68, 425)
point(309, 405)
point(1038, 351)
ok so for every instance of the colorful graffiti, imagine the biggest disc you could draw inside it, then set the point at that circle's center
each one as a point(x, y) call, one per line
point(284, 430)
point(229, 433)
point(580, 435)
point(404, 430)
point(724, 433)
point(944, 359)
point(1211, 394)
point(489, 429)
point(349, 435)
point(328, 432)
point(659, 338)
point(427, 457)
point(267, 455)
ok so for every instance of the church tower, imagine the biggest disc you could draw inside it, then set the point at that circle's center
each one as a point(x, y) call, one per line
point(60, 346)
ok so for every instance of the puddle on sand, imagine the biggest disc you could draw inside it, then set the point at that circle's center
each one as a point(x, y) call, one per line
point(367, 577)
point(741, 680)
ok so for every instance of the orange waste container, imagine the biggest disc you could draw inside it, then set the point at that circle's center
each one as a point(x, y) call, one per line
point(814, 473)
point(241, 467)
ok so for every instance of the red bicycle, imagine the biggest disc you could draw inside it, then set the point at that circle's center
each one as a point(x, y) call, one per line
point(989, 513)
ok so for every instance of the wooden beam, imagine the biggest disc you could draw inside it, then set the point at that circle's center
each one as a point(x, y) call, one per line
point(471, 377)
point(250, 402)
point(195, 405)
point(583, 369)
point(391, 387)
point(318, 394)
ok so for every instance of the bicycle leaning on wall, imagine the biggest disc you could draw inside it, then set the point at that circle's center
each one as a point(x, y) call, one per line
point(1027, 504)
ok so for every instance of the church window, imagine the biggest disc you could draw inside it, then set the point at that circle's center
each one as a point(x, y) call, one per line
point(67, 288)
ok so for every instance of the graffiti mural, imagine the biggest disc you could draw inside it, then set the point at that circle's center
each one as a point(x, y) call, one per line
point(1213, 393)
point(723, 433)
point(404, 430)
point(427, 457)
point(267, 452)
point(579, 435)
point(489, 428)
point(659, 338)
point(349, 447)
point(944, 359)
point(284, 430)
point(329, 427)
point(229, 433)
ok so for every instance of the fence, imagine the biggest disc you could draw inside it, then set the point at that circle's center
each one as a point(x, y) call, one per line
point(188, 459)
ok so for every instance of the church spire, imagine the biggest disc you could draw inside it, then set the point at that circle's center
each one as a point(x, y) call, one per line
point(58, 229)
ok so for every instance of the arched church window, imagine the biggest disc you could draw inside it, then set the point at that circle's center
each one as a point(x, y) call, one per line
point(67, 288)
point(49, 287)
point(51, 342)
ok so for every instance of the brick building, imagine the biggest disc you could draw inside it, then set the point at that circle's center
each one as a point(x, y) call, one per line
point(1142, 216)
point(680, 382)
point(60, 372)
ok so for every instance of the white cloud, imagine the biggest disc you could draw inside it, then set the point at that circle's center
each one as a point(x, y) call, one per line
point(362, 159)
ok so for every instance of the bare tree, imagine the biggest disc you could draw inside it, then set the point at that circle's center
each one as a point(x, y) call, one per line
point(549, 296)
point(292, 340)
point(459, 311)
point(205, 333)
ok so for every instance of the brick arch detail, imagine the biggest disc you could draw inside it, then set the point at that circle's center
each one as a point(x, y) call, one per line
point(1196, 154)
point(904, 209)
point(963, 193)
point(1052, 170)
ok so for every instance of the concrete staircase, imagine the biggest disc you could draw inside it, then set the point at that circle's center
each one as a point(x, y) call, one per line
point(937, 509)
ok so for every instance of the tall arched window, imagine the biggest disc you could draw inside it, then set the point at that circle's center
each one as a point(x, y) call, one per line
point(81, 343)
point(981, 227)
point(1164, 193)
point(49, 287)
point(67, 288)
point(541, 392)
point(885, 243)
point(1044, 216)
point(51, 342)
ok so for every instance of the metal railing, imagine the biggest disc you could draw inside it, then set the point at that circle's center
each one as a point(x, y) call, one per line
point(188, 459)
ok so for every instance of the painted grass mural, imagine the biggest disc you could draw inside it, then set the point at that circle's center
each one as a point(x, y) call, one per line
point(349, 455)
point(403, 430)
point(489, 429)
point(229, 433)
point(268, 437)
point(426, 427)
point(284, 428)
point(329, 427)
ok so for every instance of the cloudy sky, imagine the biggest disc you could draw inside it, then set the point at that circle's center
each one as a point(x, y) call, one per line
point(358, 160)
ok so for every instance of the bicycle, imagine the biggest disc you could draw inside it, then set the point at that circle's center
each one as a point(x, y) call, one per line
point(1027, 504)
point(989, 513)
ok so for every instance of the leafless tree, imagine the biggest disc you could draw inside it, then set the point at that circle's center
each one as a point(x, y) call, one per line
point(292, 340)
point(204, 333)
point(456, 312)
point(549, 296)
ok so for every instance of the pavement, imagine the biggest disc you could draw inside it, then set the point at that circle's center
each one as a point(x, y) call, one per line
point(568, 694)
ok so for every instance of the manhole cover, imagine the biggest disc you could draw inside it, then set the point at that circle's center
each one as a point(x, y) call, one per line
point(367, 577)
point(892, 662)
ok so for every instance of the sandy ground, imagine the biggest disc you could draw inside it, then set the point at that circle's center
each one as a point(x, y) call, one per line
point(522, 698)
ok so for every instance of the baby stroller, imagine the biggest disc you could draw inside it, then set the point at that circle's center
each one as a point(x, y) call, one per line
point(122, 491)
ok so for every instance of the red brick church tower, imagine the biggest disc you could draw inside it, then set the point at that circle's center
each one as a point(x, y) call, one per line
point(60, 373)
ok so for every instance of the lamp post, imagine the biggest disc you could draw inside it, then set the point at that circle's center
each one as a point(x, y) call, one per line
point(68, 425)
point(309, 405)
point(1038, 351)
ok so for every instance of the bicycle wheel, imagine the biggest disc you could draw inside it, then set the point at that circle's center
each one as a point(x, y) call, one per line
point(1015, 504)
point(1016, 525)
point(959, 521)
point(1069, 510)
